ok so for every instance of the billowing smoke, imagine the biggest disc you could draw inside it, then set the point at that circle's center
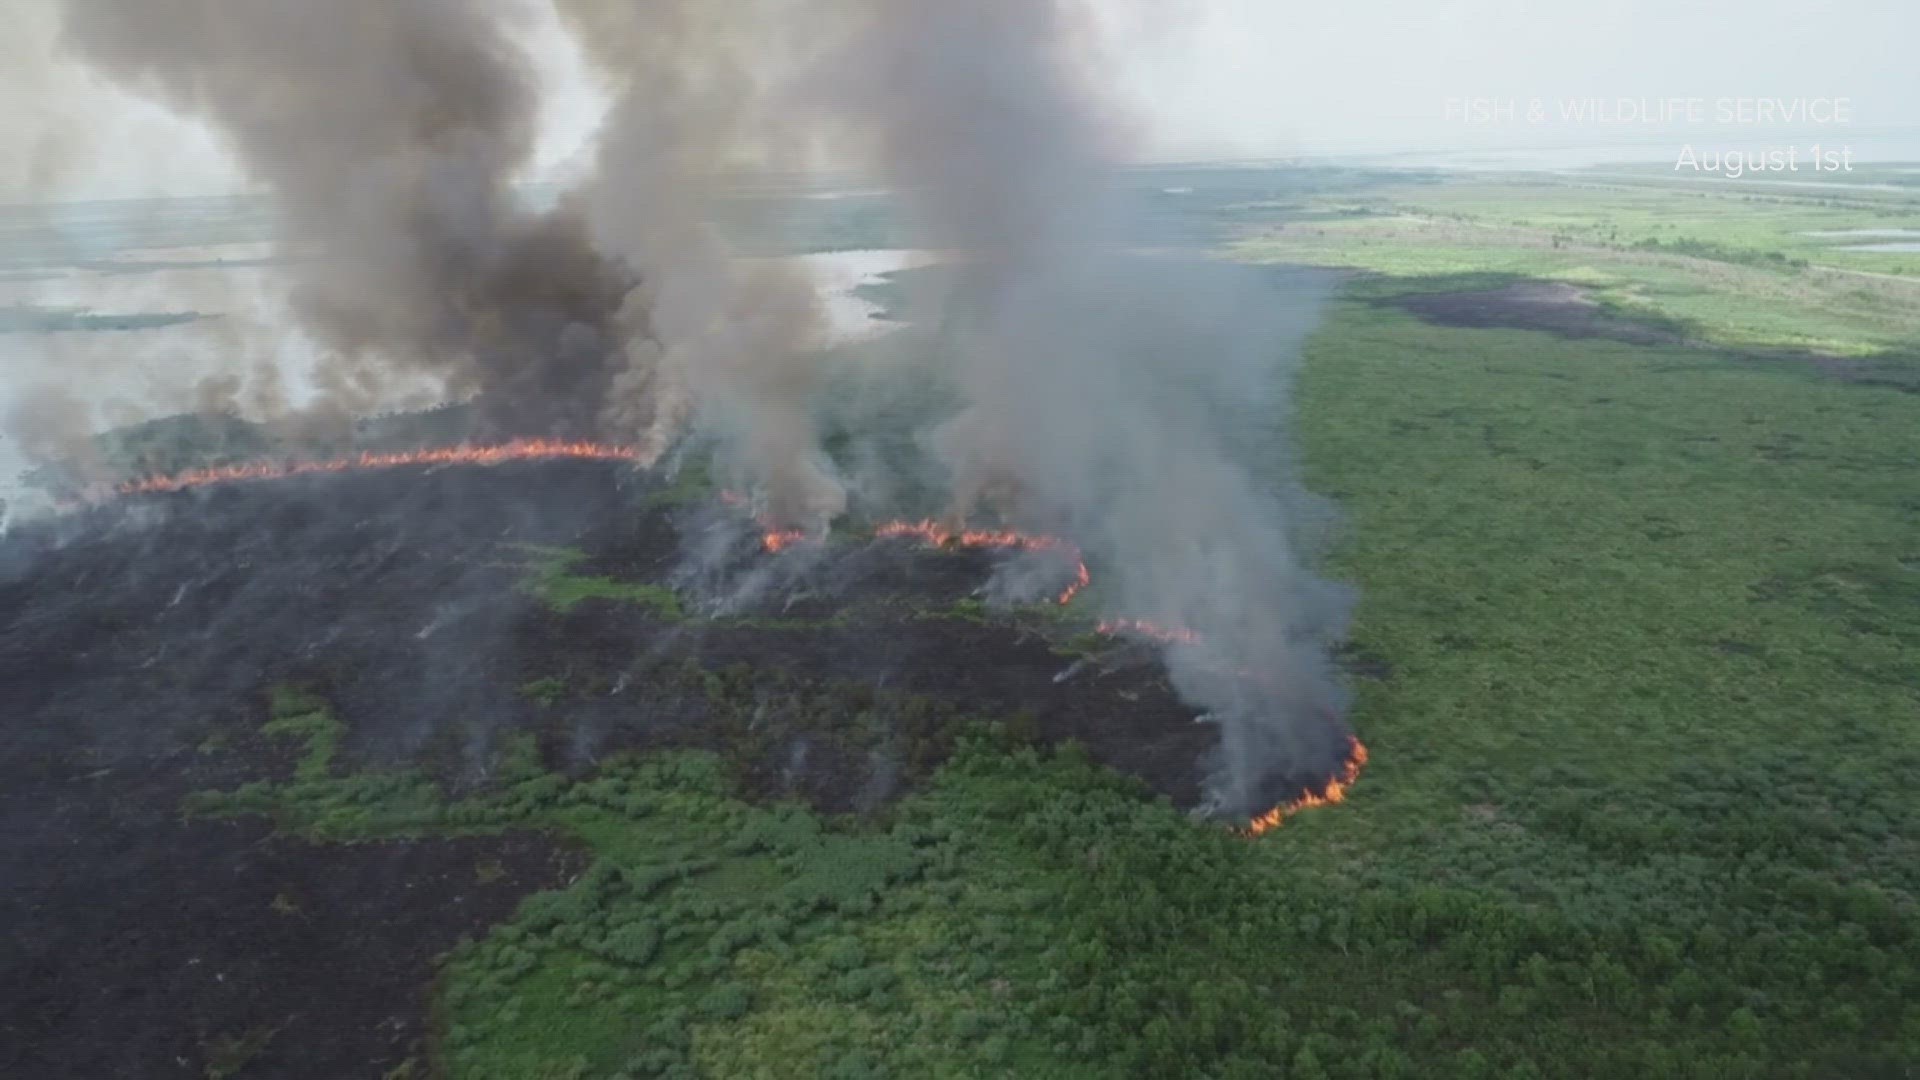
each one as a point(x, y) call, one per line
point(1106, 394)
point(390, 134)
point(1108, 397)
point(700, 101)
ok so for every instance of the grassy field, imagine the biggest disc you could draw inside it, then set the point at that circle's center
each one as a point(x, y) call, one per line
point(1640, 796)
point(1735, 264)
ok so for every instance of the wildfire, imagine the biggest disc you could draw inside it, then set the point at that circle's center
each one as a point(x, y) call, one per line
point(929, 532)
point(1165, 635)
point(1334, 792)
point(934, 534)
point(937, 535)
point(774, 541)
point(1007, 538)
point(517, 450)
point(1081, 579)
point(778, 540)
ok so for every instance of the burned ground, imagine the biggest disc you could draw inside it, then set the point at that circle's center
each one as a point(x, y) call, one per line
point(438, 612)
point(1567, 310)
point(1553, 306)
point(140, 944)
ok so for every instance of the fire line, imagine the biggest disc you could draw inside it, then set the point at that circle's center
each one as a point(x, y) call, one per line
point(517, 450)
point(1335, 791)
point(927, 531)
point(934, 534)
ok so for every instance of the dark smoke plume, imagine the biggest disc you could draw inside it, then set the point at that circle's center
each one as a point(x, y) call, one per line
point(389, 132)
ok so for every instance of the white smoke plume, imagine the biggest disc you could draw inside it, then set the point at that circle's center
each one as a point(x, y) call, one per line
point(1098, 386)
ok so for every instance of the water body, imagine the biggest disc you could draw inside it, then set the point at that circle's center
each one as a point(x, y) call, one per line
point(837, 275)
point(1884, 239)
point(1866, 234)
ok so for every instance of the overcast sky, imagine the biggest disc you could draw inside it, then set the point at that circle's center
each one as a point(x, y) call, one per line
point(1249, 79)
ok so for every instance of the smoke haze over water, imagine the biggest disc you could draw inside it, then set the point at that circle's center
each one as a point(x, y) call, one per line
point(1101, 392)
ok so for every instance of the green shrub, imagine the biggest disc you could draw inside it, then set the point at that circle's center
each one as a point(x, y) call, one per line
point(634, 944)
point(728, 1002)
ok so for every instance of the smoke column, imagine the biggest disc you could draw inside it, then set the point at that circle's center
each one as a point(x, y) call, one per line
point(1095, 383)
point(1107, 397)
point(699, 103)
point(389, 132)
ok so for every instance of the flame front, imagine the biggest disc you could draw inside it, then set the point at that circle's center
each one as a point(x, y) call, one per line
point(517, 450)
point(1165, 635)
point(1335, 791)
point(934, 534)
point(778, 540)
point(1081, 579)
point(929, 532)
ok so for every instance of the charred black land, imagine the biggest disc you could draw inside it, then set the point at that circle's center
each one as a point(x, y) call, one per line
point(441, 609)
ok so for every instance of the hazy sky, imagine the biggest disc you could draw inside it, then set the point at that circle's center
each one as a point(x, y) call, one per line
point(1374, 75)
point(1248, 78)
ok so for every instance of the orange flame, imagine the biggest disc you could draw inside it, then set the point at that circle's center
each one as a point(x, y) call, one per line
point(1081, 579)
point(775, 540)
point(929, 532)
point(937, 535)
point(1335, 792)
point(517, 450)
point(1165, 635)
point(778, 540)
point(934, 534)
point(1007, 538)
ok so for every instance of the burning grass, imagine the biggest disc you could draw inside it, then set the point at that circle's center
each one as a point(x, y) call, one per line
point(1335, 791)
point(1149, 630)
point(516, 450)
point(557, 583)
point(933, 534)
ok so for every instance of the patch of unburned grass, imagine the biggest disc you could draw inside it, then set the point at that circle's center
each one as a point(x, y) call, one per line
point(690, 483)
point(553, 581)
point(547, 692)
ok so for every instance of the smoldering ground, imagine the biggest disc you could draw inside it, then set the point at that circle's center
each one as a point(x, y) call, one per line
point(1131, 405)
